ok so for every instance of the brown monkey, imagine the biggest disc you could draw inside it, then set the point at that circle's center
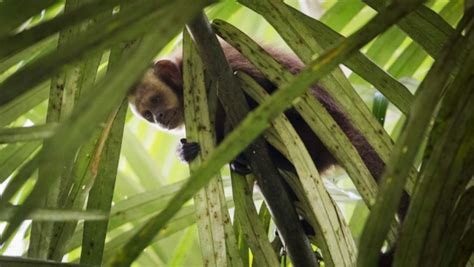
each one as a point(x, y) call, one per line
point(158, 98)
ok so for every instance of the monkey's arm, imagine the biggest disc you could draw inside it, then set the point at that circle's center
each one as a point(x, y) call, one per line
point(188, 151)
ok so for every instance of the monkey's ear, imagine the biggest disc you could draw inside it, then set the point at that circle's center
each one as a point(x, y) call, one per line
point(168, 72)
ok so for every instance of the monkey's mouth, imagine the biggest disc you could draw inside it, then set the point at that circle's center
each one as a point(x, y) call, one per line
point(170, 121)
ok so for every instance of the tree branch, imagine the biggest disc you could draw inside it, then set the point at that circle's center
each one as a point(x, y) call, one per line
point(267, 176)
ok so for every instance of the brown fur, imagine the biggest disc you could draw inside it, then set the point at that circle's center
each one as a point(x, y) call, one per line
point(321, 156)
point(157, 102)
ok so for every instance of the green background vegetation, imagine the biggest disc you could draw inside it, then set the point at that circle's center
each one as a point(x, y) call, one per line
point(101, 157)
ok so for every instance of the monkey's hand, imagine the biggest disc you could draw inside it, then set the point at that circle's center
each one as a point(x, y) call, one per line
point(188, 151)
point(240, 165)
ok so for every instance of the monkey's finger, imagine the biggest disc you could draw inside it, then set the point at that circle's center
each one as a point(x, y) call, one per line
point(188, 151)
point(187, 156)
point(241, 159)
point(191, 147)
point(239, 167)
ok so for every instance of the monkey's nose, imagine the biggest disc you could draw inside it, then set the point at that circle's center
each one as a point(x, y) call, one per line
point(160, 115)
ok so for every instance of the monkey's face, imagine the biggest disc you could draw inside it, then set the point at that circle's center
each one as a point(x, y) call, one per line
point(157, 99)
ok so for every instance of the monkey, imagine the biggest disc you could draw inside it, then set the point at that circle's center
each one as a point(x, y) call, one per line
point(158, 98)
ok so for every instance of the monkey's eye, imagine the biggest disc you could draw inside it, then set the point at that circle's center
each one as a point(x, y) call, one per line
point(148, 116)
point(155, 99)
